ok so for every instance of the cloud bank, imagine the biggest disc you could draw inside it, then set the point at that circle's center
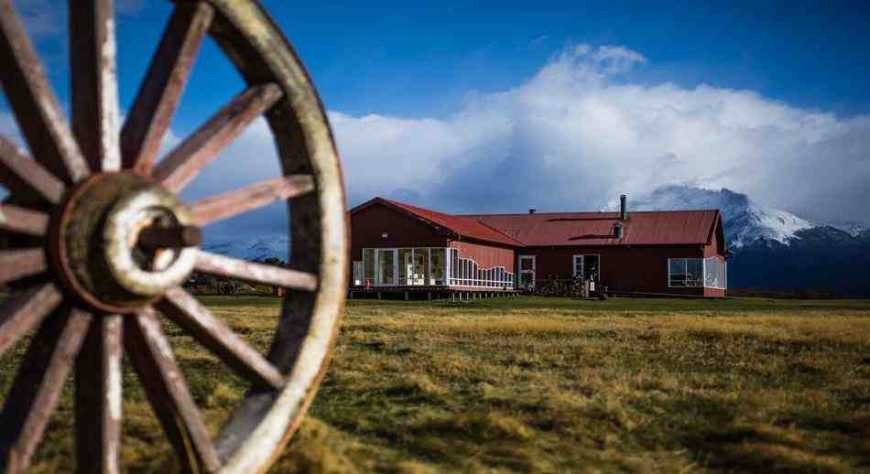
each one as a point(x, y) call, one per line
point(577, 134)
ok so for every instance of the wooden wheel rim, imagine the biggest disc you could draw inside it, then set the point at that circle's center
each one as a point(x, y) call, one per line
point(266, 437)
point(285, 382)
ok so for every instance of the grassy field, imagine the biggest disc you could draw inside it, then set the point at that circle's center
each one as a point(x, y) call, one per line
point(552, 385)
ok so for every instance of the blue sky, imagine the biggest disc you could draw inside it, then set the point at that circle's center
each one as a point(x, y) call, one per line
point(401, 59)
point(513, 90)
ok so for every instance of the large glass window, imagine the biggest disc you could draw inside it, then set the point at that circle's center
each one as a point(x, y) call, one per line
point(369, 266)
point(455, 268)
point(436, 260)
point(406, 266)
point(427, 266)
point(685, 272)
point(421, 266)
point(715, 273)
point(386, 267)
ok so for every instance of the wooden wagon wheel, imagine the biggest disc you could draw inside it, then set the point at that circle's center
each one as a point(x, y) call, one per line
point(102, 243)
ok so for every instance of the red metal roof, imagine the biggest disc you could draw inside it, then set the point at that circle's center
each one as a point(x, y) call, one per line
point(596, 228)
point(573, 228)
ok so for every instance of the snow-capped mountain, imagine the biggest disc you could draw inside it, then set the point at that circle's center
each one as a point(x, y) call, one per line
point(745, 221)
point(255, 248)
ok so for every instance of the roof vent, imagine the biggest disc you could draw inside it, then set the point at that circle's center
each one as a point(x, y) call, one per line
point(618, 231)
point(623, 207)
point(532, 211)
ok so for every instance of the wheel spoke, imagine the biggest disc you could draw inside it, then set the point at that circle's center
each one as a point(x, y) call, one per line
point(23, 311)
point(36, 390)
point(39, 115)
point(215, 264)
point(15, 264)
point(250, 197)
point(21, 174)
point(167, 391)
point(213, 333)
point(99, 397)
point(22, 220)
point(94, 84)
point(164, 83)
point(202, 147)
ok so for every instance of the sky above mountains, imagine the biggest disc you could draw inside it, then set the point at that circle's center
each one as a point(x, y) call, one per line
point(501, 106)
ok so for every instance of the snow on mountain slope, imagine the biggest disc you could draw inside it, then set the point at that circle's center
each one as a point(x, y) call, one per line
point(256, 248)
point(745, 221)
point(852, 228)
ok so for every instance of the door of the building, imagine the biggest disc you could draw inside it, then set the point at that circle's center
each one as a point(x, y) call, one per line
point(526, 275)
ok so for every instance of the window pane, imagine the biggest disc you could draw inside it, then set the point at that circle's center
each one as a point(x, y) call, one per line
point(677, 266)
point(420, 266)
point(694, 272)
point(526, 280)
point(714, 273)
point(526, 263)
point(590, 267)
point(437, 257)
point(369, 264)
point(677, 270)
point(456, 269)
point(386, 261)
point(405, 264)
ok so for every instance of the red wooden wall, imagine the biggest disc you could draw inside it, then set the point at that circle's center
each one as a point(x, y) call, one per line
point(633, 269)
point(486, 256)
point(369, 224)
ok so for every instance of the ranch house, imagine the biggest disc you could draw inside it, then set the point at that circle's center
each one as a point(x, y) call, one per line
point(404, 248)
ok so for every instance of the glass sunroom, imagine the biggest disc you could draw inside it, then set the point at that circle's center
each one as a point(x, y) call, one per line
point(426, 266)
point(710, 272)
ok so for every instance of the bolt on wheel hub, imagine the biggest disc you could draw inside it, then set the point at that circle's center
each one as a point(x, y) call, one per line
point(123, 241)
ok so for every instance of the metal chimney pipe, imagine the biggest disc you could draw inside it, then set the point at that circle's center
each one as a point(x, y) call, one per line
point(623, 207)
point(531, 211)
point(618, 231)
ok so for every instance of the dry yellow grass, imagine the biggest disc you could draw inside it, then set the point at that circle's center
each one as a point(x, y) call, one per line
point(553, 385)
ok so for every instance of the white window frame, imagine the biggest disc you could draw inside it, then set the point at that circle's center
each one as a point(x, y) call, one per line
point(378, 279)
point(468, 272)
point(574, 259)
point(583, 266)
point(520, 270)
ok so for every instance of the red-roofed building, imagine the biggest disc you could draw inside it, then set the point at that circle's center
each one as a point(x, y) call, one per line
point(396, 246)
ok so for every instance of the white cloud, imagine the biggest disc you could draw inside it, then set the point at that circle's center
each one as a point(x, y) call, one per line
point(574, 135)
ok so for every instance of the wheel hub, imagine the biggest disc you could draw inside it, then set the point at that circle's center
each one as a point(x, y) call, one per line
point(120, 242)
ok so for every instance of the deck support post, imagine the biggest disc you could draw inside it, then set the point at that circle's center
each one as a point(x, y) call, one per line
point(406, 296)
point(379, 295)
